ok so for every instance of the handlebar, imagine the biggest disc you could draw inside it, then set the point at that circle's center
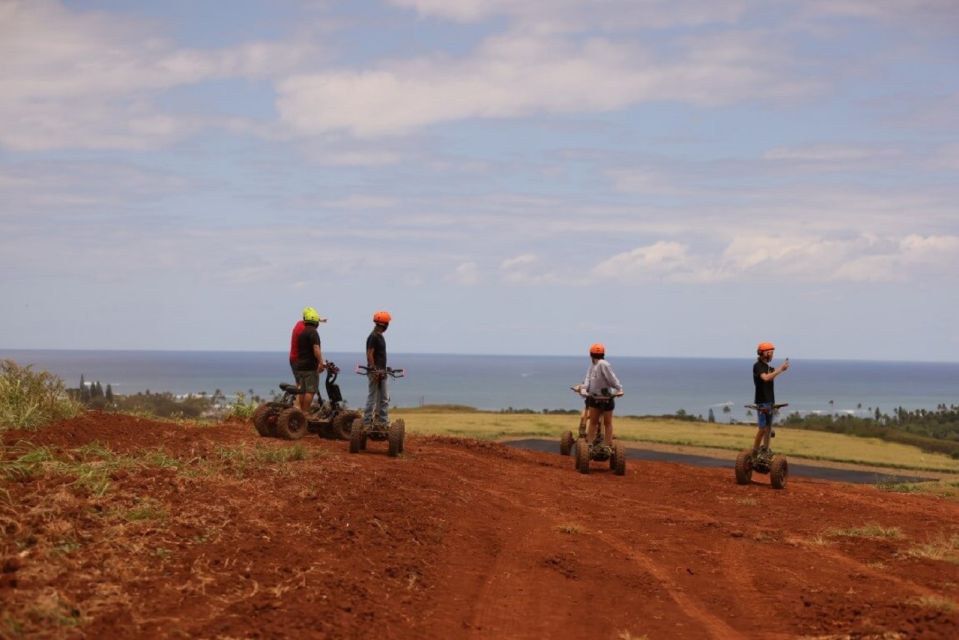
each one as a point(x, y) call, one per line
point(775, 407)
point(363, 370)
point(603, 396)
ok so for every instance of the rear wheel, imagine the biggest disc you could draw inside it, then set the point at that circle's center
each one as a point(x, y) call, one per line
point(744, 466)
point(778, 472)
point(357, 436)
point(394, 437)
point(617, 462)
point(566, 443)
point(291, 424)
point(343, 424)
point(263, 421)
point(582, 456)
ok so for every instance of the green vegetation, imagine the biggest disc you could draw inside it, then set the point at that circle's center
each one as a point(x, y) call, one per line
point(30, 399)
point(933, 431)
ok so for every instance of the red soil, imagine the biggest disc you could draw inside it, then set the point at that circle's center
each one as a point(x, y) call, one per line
point(454, 539)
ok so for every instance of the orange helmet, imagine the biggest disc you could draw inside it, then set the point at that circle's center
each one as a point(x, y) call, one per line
point(765, 346)
point(597, 349)
point(382, 317)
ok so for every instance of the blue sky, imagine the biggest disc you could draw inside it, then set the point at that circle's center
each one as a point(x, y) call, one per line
point(683, 177)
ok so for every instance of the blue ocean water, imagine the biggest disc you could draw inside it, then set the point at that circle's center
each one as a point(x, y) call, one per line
point(653, 385)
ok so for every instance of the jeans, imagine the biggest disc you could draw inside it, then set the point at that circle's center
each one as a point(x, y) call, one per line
point(378, 400)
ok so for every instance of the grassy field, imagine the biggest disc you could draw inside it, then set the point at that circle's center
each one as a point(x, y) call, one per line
point(816, 445)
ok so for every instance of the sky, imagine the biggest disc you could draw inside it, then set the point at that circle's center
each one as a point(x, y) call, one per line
point(668, 177)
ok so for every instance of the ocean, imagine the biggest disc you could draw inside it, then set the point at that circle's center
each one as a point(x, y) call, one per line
point(654, 386)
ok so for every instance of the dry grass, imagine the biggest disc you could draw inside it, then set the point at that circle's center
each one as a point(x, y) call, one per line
point(936, 603)
point(941, 548)
point(867, 531)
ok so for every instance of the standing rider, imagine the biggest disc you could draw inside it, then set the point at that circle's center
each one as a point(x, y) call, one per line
point(306, 358)
point(763, 376)
point(599, 387)
point(377, 400)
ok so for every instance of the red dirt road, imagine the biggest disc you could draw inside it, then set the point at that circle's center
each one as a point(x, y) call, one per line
point(454, 539)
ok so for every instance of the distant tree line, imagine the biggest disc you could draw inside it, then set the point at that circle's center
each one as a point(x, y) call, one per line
point(936, 431)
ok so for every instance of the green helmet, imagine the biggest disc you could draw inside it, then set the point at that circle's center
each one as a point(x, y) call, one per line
point(312, 316)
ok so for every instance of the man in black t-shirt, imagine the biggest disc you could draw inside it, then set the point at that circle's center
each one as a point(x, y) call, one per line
point(763, 376)
point(306, 358)
point(377, 400)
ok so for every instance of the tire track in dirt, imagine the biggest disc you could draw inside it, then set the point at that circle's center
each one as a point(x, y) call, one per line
point(539, 521)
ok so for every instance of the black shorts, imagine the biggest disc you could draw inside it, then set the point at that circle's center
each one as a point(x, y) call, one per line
point(603, 404)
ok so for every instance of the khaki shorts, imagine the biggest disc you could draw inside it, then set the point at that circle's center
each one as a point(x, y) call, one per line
point(309, 381)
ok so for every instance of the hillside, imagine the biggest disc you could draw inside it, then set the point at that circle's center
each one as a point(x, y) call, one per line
point(116, 526)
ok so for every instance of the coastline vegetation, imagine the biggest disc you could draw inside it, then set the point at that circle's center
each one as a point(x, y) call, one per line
point(922, 439)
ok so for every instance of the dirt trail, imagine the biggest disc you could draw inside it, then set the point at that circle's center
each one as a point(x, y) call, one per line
point(454, 539)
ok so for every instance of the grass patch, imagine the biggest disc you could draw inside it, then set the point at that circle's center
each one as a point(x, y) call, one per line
point(28, 465)
point(941, 548)
point(281, 454)
point(30, 399)
point(867, 531)
point(937, 603)
point(146, 510)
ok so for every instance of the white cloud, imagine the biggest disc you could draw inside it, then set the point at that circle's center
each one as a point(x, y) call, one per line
point(518, 74)
point(790, 259)
point(660, 260)
point(74, 79)
point(530, 269)
point(466, 273)
point(576, 15)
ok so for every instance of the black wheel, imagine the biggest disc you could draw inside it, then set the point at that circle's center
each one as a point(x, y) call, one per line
point(566, 443)
point(291, 424)
point(617, 462)
point(264, 423)
point(744, 466)
point(778, 472)
point(343, 424)
point(357, 436)
point(394, 438)
point(582, 456)
point(402, 424)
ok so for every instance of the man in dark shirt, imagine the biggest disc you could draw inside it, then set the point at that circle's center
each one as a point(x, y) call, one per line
point(377, 400)
point(306, 358)
point(763, 376)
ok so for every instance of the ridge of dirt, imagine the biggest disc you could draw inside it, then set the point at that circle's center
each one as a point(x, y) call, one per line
point(175, 530)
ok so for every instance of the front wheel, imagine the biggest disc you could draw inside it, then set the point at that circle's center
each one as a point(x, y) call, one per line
point(617, 462)
point(394, 437)
point(566, 443)
point(262, 421)
point(291, 424)
point(744, 466)
point(778, 472)
point(357, 436)
point(343, 424)
point(582, 456)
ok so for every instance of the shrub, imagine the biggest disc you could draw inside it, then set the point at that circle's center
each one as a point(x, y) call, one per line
point(30, 399)
point(241, 408)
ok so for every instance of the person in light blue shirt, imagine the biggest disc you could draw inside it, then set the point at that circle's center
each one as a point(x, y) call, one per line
point(600, 387)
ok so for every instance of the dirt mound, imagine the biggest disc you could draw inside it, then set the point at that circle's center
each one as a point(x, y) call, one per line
point(168, 530)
